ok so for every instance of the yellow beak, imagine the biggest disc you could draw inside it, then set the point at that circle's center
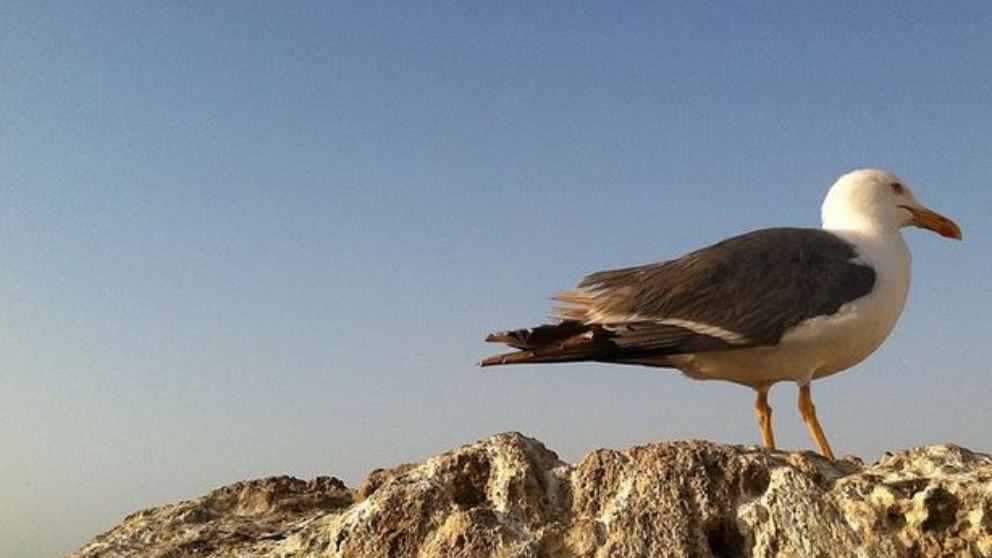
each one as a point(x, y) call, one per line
point(927, 219)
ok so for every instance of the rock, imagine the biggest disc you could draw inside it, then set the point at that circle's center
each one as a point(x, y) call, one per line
point(245, 519)
point(510, 497)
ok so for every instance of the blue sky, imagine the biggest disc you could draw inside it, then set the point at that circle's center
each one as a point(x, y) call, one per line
point(243, 239)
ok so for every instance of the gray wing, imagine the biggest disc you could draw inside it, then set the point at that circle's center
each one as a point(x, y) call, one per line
point(744, 291)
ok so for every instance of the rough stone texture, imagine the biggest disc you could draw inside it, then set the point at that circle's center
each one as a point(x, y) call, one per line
point(509, 496)
point(245, 519)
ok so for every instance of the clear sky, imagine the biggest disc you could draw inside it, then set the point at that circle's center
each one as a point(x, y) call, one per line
point(242, 239)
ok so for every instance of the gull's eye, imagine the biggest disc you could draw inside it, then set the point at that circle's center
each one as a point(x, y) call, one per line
point(898, 188)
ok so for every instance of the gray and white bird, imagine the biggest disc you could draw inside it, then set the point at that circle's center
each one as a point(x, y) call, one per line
point(764, 307)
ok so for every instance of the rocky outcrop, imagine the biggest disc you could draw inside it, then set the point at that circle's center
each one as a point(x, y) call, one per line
point(509, 496)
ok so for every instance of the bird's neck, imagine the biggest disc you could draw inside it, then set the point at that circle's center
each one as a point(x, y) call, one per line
point(887, 252)
point(872, 240)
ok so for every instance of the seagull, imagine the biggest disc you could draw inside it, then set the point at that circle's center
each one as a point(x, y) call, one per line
point(772, 305)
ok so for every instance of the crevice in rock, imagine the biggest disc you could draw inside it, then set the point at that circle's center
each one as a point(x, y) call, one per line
point(942, 509)
point(725, 539)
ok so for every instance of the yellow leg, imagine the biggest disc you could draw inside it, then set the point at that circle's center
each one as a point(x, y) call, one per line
point(808, 411)
point(764, 413)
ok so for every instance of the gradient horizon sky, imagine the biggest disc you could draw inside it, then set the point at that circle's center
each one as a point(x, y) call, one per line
point(243, 239)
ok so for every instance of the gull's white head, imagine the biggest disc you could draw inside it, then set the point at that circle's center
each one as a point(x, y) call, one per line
point(877, 201)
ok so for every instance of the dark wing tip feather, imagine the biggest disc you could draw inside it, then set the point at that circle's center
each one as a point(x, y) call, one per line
point(516, 338)
point(540, 336)
point(561, 342)
point(507, 358)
